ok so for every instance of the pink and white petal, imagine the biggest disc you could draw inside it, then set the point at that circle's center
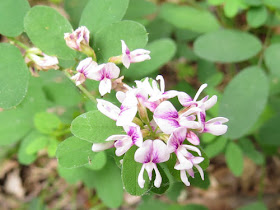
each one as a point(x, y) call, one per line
point(79, 78)
point(149, 168)
point(126, 116)
point(141, 180)
point(158, 178)
point(166, 117)
point(192, 148)
point(112, 71)
point(197, 160)
point(138, 52)
point(170, 94)
point(160, 152)
point(215, 129)
point(217, 119)
point(126, 144)
point(185, 99)
point(144, 153)
point(96, 73)
point(189, 124)
point(193, 138)
point(108, 109)
point(190, 172)
point(126, 60)
point(184, 177)
point(200, 171)
point(120, 96)
point(116, 137)
point(210, 102)
point(135, 133)
point(125, 49)
point(105, 86)
point(102, 146)
point(140, 58)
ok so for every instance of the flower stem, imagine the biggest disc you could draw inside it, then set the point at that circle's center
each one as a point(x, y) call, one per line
point(84, 90)
point(13, 41)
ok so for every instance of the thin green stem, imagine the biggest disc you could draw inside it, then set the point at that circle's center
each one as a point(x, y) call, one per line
point(84, 90)
point(17, 42)
point(261, 185)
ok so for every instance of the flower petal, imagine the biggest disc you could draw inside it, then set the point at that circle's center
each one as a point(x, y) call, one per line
point(176, 139)
point(105, 86)
point(160, 152)
point(158, 178)
point(144, 153)
point(210, 102)
point(108, 109)
point(101, 146)
point(193, 138)
point(141, 180)
point(184, 177)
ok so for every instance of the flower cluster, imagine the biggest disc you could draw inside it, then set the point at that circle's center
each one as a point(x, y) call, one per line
point(167, 131)
point(106, 72)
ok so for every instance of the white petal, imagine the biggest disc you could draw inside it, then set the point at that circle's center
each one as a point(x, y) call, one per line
point(126, 144)
point(193, 138)
point(217, 119)
point(79, 78)
point(96, 72)
point(141, 180)
point(126, 61)
point(210, 102)
point(184, 177)
point(184, 99)
point(202, 87)
point(176, 139)
point(105, 86)
point(158, 178)
point(197, 160)
point(108, 109)
point(216, 130)
point(138, 52)
point(149, 168)
point(200, 171)
point(116, 137)
point(101, 146)
point(126, 116)
point(120, 96)
point(111, 71)
point(140, 58)
point(192, 148)
point(125, 49)
point(162, 84)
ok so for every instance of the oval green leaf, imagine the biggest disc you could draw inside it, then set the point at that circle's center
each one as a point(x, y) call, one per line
point(186, 17)
point(234, 158)
point(162, 51)
point(94, 127)
point(235, 46)
point(272, 58)
point(269, 132)
point(256, 16)
point(108, 40)
point(74, 152)
point(14, 76)
point(46, 27)
point(98, 14)
point(244, 100)
point(12, 14)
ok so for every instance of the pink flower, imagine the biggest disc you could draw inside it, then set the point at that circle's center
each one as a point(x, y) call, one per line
point(215, 126)
point(85, 69)
point(168, 119)
point(77, 38)
point(150, 153)
point(104, 73)
point(122, 143)
point(134, 56)
point(123, 115)
point(41, 60)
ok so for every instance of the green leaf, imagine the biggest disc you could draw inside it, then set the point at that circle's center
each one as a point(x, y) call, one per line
point(52, 147)
point(234, 158)
point(108, 184)
point(162, 51)
point(186, 17)
point(74, 152)
point(75, 8)
point(37, 144)
point(46, 27)
point(139, 9)
point(272, 3)
point(23, 156)
point(14, 76)
point(107, 41)
point(244, 100)
point(198, 182)
point(215, 2)
point(159, 29)
point(130, 173)
point(272, 58)
point(46, 122)
point(16, 123)
point(98, 161)
point(216, 147)
point(253, 2)
point(250, 151)
point(237, 46)
point(152, 204)
point(231, 8)
point(256, 206)
point(175, 190)
point(99, 14)
point(94, 127)
point(257, 16)
point(269, 133)
point(12, 14)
